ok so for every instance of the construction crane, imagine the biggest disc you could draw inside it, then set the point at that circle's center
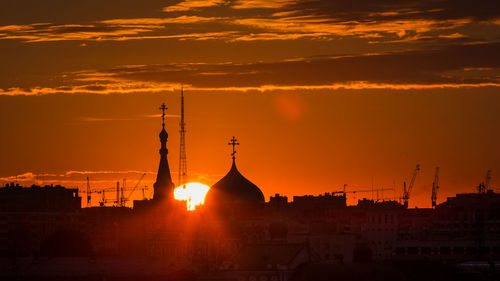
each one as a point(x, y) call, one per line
point(435, 187)
point(89, 192)
point(122, 202)
point(407, 191)
point(89, 196)
point(485, 185)
point(126, 199)
point(119, 199)
point(344, 191)
point(105, 200)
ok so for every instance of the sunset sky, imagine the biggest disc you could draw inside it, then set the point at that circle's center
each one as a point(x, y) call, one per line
point(319, 93)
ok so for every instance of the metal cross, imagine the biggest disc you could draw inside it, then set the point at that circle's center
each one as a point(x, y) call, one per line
point(234, 143)
point(163, 107)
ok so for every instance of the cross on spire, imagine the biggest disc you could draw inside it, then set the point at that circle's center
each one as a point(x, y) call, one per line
point(234, 142)
point(163, 107)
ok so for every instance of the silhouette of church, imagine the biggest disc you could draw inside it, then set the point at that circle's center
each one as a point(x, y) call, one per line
point(163, 192)
point(230, 192)
point(163, 187)
point(234, 191)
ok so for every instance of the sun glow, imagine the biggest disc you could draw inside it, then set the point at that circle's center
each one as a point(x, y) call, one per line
point(193, 193)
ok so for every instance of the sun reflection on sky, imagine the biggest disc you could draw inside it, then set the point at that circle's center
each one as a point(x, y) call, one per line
point(193, 193)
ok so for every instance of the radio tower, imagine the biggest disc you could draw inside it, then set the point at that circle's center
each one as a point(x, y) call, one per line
point(182, 152)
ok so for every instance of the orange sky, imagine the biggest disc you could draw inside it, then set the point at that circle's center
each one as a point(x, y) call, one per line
point(319, 93)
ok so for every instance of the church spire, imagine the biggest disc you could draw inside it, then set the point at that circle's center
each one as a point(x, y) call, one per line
point(163, 187)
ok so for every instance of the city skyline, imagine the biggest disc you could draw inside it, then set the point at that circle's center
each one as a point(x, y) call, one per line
point(106, 179)
point(323, 93)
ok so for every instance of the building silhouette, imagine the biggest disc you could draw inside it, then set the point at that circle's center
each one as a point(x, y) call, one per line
point(236, 235)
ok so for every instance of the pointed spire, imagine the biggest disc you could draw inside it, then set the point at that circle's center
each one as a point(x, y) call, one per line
point(163, 187)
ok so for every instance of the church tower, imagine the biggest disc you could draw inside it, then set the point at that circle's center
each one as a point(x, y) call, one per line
point(163, 187)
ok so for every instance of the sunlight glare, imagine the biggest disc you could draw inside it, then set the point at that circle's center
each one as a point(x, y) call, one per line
point(193, 193)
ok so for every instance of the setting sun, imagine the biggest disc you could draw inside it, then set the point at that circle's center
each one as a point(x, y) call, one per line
point(193, 193)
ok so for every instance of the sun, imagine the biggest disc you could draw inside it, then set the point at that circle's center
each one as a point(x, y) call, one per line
point(193, 193)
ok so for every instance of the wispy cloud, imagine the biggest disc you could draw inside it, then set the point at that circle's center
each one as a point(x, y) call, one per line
point(112, 30)
point(188, 5)
point(258, 20)
point(261, 4)
point(413, 69)
point(159, 22)
point(297, 27)
point(106, 119)
point(73, 177)
point(95, 119)
point(98, 179)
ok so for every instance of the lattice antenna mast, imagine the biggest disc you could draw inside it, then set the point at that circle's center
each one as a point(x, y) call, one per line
point(182, 152)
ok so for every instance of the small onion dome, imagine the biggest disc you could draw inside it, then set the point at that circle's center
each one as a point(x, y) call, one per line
point(234, 188)
point(163, 135)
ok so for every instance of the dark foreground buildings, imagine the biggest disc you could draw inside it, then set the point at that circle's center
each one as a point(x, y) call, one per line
point(45, 235)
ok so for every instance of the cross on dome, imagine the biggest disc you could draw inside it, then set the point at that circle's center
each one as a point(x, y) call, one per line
point(234, 142)
point(163, 107)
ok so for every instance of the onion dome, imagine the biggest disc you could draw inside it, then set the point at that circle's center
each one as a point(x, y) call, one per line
point(234, 188)
point(163, 135)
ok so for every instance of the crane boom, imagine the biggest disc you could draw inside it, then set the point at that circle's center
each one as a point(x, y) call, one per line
point(407, 192)
point(89, 195)
point(435, 187)
point(487, 180)
point(360, 191)
point(135, 187)
point(483, 187)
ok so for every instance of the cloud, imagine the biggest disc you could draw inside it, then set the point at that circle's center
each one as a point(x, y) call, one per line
point(74, 177)
point(99, 180)
point(97, 119)
point(318, 28)
point(256, 20)
point(261, 4)
point(414, 67)
point(159, 22)
point(236, 29)
point(89, 32)
point(443, 67)
point(106, 119)
point(188, 5)
point(390, 10)
point(110, 30)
